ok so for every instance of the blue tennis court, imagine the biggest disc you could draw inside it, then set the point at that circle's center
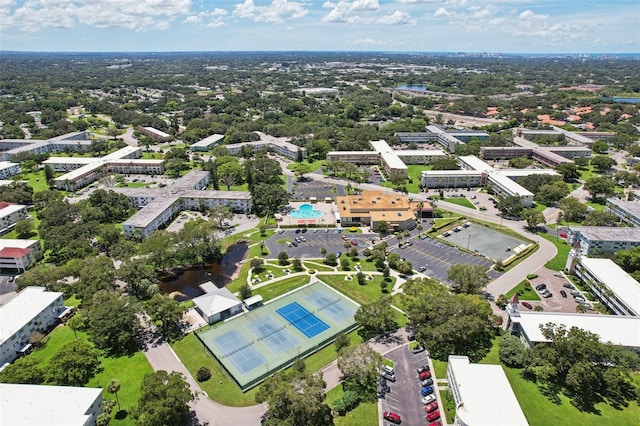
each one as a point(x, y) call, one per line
point(308, 324)
point(253, 345)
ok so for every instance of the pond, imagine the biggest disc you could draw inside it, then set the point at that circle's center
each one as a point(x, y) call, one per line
point(186, 285)
point(622, 100)
point(412, 88)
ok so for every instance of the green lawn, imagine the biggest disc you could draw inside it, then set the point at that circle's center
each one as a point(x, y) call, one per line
point(314, 165)
point(328, 354)
point(362, 294)
point(461, 202)
point(134, 184)
point(278, 288)
point(365, 414)
point(317, 266)
point(194, 355)
point(439, 368)
point(525, 292)
point(276, 270)
point(596, 206)
point(243, 187)
point(541, 411)
point(152, 155)
point(587, 173)
point(36, 180)
point(559, 261)
point(128, 370)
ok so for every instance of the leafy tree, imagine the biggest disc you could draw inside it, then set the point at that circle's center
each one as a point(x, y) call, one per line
point(113, 324)
point(345, 265)
point(468, 279)
point(115, 207)
point(230, 174)
point(295, 399)
point(600, 218)
point(382, 227)
point(167, 312)
point(450, 323)
point(550, 194)
point(581, 162)
point(301, 169)
point(342, 341)
point(164, 400)
point(533, 218)
point(600, 147)
point(323, 252)
point(268, 198)
point(360, 366)
point(219, 214)
point(511, 206)
point(449, 163)
point(572, 209)
point(283, 258)
point(17, 192)
point(245, 291)
point(297, 265)
point(331, 259)
point(113, 387)
point(569, 171)
point(376, 318)
point(74, 364)
point(24, 228)
point(25, 370)
point(600, 186)
point(140, 276)
point(405, 267)
point(588, 371)
point(361, 278)
point(512, 352)
point(602, 163)
point(256, 263)
point(520, 162)
point(203, 374)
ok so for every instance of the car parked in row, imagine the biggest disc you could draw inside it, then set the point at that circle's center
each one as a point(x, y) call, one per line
point(426, 382)
point(427, 390)
point(425, 375)
point(390, 377)
point(392, 417)
point(527, 305)
point(428, 399)
point(434, 415)
point(422, 368)
point(431, 407)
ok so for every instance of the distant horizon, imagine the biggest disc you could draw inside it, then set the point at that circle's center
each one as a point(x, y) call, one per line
point(390, 52)
point(533, 26)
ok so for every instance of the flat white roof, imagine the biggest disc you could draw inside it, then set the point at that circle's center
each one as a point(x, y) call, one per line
point(6, 164)
point(15, 243)
point(388, 155)
point(442, 173)
point(619, 282)
point(157, 132)
point(486, 395)
point(607, 233)
point(216, 301)
point(475, 163)
point(509, 185)
point(10, 209)
point(617, 329)
point(420, 152)
point(206, 142)
point(632, 207)
point(30, 405)
point(69, 160)
point(17, 312)
point(515, 173)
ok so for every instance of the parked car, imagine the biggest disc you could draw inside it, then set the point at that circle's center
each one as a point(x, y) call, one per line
point(426, 382)
point(390, 377)
point(547, 294)
point(527, 305)
point(353, 243)
point(434, 415)
point(388, 369)
point(563, 293)
point(392, 417)
point(541, 286)
point(297, 231)
point(303, 239)
point(304, 230)
point(431, 407)
point(580, 299)
point(575, 293)
point(295, 243)
point(427, 391)
point(288, 243)
point(428, 399)
point(422, 269)
point(425, 375)
point(558, 274)
point(417, 349)
point(568, 285)
point(423, 368)
point(436, 423)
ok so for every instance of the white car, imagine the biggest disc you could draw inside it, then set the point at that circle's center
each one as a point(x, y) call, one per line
point(428, 399)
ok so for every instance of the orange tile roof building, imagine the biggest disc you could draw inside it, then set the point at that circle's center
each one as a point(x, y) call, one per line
point(373, 207)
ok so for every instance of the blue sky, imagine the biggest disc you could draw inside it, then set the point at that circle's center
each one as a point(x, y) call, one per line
point(514, 26)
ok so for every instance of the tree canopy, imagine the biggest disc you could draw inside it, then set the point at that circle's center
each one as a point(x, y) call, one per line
point(164, 400)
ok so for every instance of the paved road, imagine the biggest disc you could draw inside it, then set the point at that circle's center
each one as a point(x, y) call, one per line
point(161, 357)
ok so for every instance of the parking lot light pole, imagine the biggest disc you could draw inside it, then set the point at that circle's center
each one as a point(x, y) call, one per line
point(468, 242)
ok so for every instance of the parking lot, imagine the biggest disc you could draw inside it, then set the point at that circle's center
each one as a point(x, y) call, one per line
point(317, 239)
point(437, 257)
point(404, 396)
point(554, 282)
point(310, 188)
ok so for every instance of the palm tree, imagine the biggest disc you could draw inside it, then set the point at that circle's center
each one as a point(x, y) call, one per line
point(323, 253)
point(113, 387)
point(262, 247)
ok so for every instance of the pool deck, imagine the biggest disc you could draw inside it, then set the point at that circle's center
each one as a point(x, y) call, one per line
point(327, 219)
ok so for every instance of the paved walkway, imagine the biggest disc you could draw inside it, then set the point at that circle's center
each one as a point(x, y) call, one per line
point(207, 412)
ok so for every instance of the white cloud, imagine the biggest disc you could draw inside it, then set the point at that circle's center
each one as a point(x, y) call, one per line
point(213, 18)
point(396, 18)
point(136, 15)
point(350, 12)
point(529, 14)
point(276, 12)
point(443, 12)
point(365, 5)
point(481, 14)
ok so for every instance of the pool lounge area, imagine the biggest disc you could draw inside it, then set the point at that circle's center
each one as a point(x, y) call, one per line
point(308, 214)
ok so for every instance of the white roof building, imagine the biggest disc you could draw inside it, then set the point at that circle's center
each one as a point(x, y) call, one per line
point(615, 329)
point(217, 305)
point(482, 394)
point(31, 405)
point(206, 143)
point(617, 289)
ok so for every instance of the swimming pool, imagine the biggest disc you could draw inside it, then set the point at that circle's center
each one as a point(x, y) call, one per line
point(306, 211)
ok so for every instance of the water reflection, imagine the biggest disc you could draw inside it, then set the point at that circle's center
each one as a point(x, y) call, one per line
point(186, 284)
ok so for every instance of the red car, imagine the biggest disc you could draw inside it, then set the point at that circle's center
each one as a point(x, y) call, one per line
point(527, 305)
point(392, 417)
point(425, 375)
point(431, 407)
point(353, 243)
point(436, 423)
point(434, 415)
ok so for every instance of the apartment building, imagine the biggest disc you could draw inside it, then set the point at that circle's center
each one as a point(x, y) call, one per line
point(602, 239)
point(19, 255)
point(8, 169)
point(372, 207)
point(10, 214)
point(627, 211)
point(71, 142)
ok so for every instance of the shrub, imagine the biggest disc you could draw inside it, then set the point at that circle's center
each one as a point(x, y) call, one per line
point(203, 374)
point(342, 341)
point(532, 276)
